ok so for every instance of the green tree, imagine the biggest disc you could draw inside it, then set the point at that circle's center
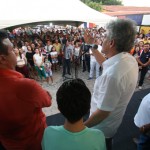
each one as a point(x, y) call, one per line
point(94, 5)
point(110, 2)
point(104, 2)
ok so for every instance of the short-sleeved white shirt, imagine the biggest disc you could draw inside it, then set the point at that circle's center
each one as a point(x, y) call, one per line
point(142, 117)
point(68, 52)
point(76, 51)
point(113, 90)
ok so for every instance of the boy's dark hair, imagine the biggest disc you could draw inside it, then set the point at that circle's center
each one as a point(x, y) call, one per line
point(73, 99)
point(3, 48)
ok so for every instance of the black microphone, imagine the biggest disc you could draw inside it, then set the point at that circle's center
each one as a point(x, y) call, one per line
point(95, 46)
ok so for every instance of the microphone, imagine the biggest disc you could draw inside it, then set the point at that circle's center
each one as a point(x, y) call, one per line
point(88, 46)
point(95, 47)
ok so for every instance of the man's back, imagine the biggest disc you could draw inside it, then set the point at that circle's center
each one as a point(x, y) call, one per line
point(116, 85)
point(22, 120)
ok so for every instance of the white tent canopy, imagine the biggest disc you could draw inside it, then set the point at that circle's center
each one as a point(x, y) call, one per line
point(18, 12)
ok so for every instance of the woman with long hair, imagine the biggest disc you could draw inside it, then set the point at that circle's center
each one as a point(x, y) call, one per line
point(38, 59)
point(21, 63)
point(54, 58)
point(30, 63)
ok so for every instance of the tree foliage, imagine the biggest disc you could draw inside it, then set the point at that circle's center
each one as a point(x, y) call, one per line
point(96, 4)
point(92, 4)
point(110, 2)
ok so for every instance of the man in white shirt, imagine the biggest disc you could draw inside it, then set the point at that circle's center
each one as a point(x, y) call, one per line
point(114, 88)
point(48, 46)
point(93, 63)
point(67, 58)
point(142, 120)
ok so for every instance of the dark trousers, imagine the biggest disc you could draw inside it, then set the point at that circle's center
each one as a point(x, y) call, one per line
point(84, 65)
point(59, 60)
point(24, 70)
point(87, 60)
point(109, 143)
point(142, 76)
point(144, 142)
point(66, 66)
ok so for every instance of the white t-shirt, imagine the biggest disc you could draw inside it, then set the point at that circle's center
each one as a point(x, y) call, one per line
point(76, 51)
point(21, 61)
point(48, 48)
point(113, 90)
point(142, 117)
point(24, 48)
point(54, 53)
point(68, 52)
point(38, 59)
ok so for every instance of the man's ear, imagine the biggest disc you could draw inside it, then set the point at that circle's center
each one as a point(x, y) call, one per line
point(112, 43)
point(3, 59)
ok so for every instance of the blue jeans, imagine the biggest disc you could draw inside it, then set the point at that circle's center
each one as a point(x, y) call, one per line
point(144, 142)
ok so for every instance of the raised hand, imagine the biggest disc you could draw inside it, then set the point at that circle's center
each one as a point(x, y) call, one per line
point(88, 38)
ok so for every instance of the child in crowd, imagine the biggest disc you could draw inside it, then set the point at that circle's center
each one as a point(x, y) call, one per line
point(48, 70)
point(73, 99)
point(54, 57)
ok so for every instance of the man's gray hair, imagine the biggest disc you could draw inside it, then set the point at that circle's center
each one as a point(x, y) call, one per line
point(123, 32)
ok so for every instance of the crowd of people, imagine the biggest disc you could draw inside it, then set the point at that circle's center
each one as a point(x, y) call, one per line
point(63, 47)
point(37, 55)
point(60, 47)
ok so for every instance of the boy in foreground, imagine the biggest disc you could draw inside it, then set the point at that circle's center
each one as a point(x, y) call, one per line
point(73, 99)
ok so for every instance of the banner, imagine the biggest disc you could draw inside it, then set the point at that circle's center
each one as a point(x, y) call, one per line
point(137, 18)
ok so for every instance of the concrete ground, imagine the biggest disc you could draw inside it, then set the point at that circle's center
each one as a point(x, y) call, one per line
point(58, 80)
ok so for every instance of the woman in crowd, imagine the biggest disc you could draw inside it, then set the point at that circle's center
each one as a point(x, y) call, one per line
point(54, 58)
point(136, 51)
point(29, 56)
point(38, 59)
point(48, 70)
point(21, 63)
point(76, 53)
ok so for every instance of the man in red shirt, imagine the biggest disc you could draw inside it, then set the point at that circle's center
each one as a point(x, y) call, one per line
point(22, 121)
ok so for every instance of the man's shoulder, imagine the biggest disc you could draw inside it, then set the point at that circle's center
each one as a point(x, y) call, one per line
point(121, 68)
point(26, 83)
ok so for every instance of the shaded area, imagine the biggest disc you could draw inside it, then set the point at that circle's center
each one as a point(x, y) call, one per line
point(127, 130)
point(123, 139)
